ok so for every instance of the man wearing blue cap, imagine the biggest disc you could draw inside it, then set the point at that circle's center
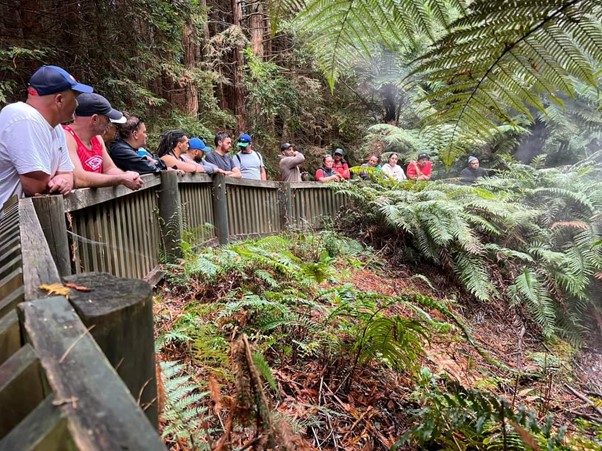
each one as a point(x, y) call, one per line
point(33, 152)
point(249, 161)
point(194, 154)
point(93, 167)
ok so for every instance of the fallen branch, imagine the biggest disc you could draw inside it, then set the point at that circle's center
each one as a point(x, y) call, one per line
point(584, 398)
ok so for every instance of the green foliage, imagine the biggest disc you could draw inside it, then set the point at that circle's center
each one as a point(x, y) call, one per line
point(531, 230)
point(182, 411)
point(11, 59)
point(344, 31)
point(461, 419)
point(491, 63)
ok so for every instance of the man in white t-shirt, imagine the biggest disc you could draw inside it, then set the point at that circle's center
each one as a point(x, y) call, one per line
point(248, 160)
point(33, 151)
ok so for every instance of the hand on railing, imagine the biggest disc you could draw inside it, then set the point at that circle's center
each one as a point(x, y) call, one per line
point(132, 180)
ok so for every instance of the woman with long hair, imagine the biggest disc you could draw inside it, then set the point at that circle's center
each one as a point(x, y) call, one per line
point(393, 170)
point(173, 144)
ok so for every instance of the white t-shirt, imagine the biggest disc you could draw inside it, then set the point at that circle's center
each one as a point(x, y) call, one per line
point(250, 164)
point(395, 172)
point(28, 143)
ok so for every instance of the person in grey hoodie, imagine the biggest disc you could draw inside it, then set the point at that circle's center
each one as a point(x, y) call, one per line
point(290, 160)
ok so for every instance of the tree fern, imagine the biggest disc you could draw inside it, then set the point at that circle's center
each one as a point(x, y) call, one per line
point(488, 66)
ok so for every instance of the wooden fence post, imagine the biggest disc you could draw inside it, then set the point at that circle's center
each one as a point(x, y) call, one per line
point(170, 211)
point(119, 314)
point(102, 413)
point(285, 199)
point(220, 209)
point(51, 214)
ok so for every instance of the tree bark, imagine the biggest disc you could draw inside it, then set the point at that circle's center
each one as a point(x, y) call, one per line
point(239, 98)
point(257, 29)
point(191, 94)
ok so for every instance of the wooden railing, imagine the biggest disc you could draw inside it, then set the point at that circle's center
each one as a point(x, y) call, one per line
point(58, 391)
point(128, 233)
point(73, 372)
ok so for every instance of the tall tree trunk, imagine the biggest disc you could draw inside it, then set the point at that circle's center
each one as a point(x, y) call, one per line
point(257, 28)
point(239, 98)
point(191, 94)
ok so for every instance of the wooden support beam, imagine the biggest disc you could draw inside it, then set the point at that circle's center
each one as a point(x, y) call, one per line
point(101, 412)
point(10, 335)
point(21, 387)
point(220, 209)
point(119, 315)
point(44, 429)
point(38, 264)
point(51, 214)
point(285, 201)
point(170, 211)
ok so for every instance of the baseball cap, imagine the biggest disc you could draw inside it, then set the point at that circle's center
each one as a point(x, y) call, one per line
point(339, 151)
point(52, 79)
point(471, 159)
point(89, 104)
point(423, 155)
point(198, 144)
point(244, 140)
point(286, 146)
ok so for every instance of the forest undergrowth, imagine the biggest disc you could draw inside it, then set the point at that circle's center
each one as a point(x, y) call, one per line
point(437, 316)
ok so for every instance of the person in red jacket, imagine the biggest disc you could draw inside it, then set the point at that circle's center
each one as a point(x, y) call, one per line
point(340, 165)
point(422, 169)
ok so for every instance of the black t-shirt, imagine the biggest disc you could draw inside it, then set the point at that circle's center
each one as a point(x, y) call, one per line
point(127, 159)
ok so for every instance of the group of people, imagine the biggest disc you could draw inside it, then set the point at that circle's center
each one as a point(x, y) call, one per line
point(420, 169)
point(65, 135)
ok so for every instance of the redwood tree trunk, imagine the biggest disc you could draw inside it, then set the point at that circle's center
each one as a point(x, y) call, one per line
point(191, 94)
point(239, 97)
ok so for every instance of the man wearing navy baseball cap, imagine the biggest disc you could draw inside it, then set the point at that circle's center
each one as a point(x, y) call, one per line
point(249, 161)
point(93, 167)
point(33, 152)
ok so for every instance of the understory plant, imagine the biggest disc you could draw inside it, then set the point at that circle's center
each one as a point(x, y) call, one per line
point(455, 418)
point(525, 235)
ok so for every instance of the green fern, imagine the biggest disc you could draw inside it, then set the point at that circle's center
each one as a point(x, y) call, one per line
point(182, 410)
point(462, 419)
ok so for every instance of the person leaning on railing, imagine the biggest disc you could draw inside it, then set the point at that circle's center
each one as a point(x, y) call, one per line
point(132, 136)
point(173, 144)
point(33, 152)
point(93, 167)
point(194, 154)
point(327, 173)
point(220, 156)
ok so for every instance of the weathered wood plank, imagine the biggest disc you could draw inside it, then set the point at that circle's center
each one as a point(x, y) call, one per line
point(21, 387)
point(195, 178)
point(87, 197)
point(10, 335)
point(267, 184)
point(11, 300)
point(38, 264)
point(102, 413)
point(44, 429)
point(119, 314)
point(11, 282)
point(50, 211)
point(171, 215)
point(220, 209)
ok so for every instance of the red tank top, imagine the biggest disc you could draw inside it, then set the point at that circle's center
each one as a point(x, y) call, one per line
point(91, 159)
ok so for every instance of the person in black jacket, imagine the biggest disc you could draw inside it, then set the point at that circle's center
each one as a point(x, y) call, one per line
point(472, 172)
point(132, 136)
